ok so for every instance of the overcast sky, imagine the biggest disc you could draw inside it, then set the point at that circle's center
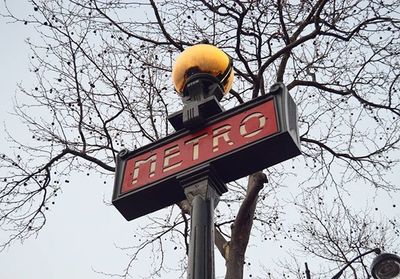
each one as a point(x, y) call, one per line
point(81, 231)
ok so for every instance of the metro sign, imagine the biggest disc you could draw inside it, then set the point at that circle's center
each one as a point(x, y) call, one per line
point(193, 149)
point(237, 142)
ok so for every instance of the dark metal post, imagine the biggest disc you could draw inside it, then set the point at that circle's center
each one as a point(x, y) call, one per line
point(202, 188)
point(201, 256)
point(308, 275)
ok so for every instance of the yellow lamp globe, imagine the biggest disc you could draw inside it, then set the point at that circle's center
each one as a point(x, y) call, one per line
point(203, 58)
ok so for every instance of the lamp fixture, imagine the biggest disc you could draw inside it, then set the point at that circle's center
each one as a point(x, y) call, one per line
point(202, 75)
point(386, 266)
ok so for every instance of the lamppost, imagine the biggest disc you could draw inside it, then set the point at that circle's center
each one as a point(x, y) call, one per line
point(202, 75)
point(384, 266)
point(197, 161)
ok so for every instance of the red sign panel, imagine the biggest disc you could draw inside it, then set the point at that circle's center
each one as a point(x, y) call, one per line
point(190, 150)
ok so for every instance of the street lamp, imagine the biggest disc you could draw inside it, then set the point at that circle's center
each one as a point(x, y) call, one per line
point(384, 266)
point(202, 58)
point(197, 161)
point(202, 75)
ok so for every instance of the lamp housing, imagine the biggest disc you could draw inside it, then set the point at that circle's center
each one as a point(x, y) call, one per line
point(386, 266)
point(203, 58)
point(202, 75)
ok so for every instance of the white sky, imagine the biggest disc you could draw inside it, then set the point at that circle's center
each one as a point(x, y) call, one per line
point(81, 230)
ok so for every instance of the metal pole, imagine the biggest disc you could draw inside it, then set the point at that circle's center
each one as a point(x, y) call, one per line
point(201, 246)
point(308, 275)
point(202, 188)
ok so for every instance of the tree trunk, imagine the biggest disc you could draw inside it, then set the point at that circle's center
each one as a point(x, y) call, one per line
point(235, 250)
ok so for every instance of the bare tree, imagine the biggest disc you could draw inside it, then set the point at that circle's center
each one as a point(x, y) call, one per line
point(330, 230)
point(103, 84)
